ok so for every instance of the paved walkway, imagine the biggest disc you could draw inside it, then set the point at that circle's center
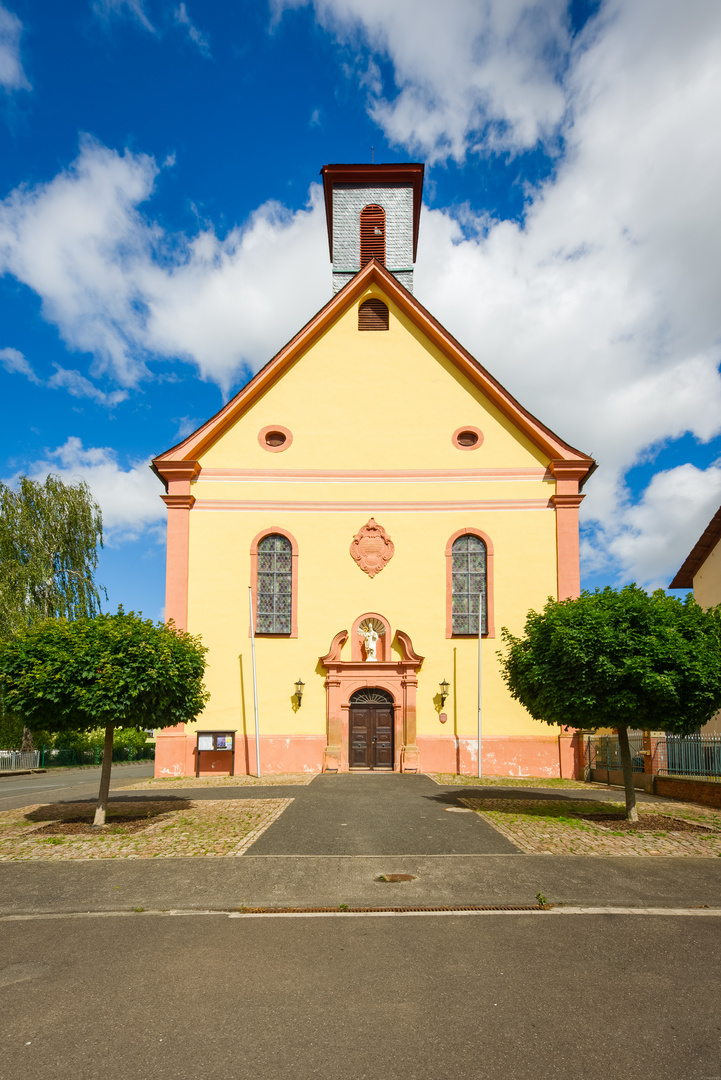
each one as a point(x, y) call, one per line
point(379, 814)
point(328, 881)
point(338, 836)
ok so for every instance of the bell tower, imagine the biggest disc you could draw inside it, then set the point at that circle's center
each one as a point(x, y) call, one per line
point(373, 212)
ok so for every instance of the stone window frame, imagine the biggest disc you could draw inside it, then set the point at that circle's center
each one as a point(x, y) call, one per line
point(470, 530)
point(373, 214)
point(460, 431)
point(276, 530)
point(269, 429)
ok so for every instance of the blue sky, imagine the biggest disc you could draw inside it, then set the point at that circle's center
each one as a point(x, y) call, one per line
point(158, 192)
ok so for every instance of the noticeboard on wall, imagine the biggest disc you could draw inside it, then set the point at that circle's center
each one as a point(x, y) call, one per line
point(215, 742)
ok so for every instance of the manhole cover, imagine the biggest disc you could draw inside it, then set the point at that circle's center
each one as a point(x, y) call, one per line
point(396, 877)
point(457, 810)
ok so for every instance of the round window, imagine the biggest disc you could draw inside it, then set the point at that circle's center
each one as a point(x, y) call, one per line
point(468, 438)
point(275, 438)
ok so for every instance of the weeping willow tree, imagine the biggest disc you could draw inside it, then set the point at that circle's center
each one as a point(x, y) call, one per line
point(49, 538)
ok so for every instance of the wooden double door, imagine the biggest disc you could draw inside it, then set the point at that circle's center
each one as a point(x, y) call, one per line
point(371, 730)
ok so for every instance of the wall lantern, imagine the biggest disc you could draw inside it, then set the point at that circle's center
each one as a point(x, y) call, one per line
point(445, 687)
point(299, 690)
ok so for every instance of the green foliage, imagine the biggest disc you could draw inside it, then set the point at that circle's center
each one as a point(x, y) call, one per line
point(618, 657)
point(49, 536)
point(11, 733)
point(119, 670)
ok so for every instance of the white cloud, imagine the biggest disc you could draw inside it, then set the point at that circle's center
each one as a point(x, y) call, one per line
point(466, 73)
point(118, 286)
point(602, 312)
point(129, 498)
point(12, 75)
point(201, 40)
point(648, 542)
point(135, 9)
point(80, 387)
point(15, 363)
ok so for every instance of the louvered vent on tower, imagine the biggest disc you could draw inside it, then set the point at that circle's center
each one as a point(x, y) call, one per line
point(373, 315)
point(372, 234)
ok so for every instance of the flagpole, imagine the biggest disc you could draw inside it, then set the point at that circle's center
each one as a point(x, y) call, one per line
point(255, 683)
point(480, 711)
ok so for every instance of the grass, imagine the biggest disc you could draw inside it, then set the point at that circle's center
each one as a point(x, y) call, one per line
point(241, 780)
point(549, 827)
point(462, 780)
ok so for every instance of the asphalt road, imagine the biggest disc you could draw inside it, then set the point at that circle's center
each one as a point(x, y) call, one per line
point(58, 785)
point(492, 997)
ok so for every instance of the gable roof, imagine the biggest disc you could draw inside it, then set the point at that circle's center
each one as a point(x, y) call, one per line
point(374, 273)
point(699, 553)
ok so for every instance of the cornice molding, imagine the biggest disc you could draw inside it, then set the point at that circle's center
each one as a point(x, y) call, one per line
point(178, 502)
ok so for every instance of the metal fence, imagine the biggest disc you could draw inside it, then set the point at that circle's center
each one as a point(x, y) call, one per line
point(10, 760)
point(603, 753)
point(692, 755)
point(697, 756)
point(92, 755)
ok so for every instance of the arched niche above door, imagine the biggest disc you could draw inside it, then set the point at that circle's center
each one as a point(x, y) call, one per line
point(383, 629)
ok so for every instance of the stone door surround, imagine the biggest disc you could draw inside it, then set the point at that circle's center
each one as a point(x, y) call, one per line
point(398, 677)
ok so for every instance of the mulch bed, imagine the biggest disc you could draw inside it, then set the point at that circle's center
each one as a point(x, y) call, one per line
point(647, 823)
point(124, 823)
point(76, 819)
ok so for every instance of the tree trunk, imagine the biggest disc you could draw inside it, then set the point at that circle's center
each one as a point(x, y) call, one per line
point(27, 741)
point(631, 811)
point(105, 776)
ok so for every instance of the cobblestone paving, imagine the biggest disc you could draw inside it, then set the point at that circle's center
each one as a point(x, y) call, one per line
point(450, 779)
point(540, 827)
point(168, 783)
point(221, 827)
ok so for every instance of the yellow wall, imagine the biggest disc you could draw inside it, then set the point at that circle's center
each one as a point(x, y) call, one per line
point(707, 591)
point(376, 401)
point(707, 582)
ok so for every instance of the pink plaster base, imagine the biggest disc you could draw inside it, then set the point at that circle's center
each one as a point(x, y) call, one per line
point(529, 756)
point(175, 755)
point(521, 756)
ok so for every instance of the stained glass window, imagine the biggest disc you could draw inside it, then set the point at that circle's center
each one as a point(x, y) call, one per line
point(469, 582)
point(275, 586)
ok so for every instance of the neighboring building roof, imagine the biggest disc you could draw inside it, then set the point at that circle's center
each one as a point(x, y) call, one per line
point(699, 554)
point(405, 173)
point(540, 435)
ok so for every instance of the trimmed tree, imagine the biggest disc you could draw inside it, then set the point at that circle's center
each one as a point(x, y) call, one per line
point(618, 659)
point(113, 671)
point(49, 538)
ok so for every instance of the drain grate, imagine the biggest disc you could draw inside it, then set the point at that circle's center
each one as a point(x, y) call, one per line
point(345, 909)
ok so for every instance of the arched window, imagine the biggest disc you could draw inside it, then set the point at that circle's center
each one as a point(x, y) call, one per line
point(469, 584)
point(372, 234)
point(373, 315)
point(274, 590)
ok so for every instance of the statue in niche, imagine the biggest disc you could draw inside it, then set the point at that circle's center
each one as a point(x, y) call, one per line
point(371, 630)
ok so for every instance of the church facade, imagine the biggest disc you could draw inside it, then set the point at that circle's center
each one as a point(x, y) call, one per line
point(368, 501)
